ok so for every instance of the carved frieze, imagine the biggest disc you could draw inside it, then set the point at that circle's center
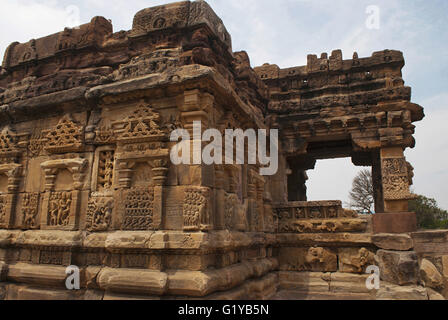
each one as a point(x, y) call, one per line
point(140, 139)
point(30, 207)
point(157, 61)
point(317, 217)
point(3, 209)
point(310, 210)
point(66, 136)
point(143, 124)
point(35, 144)
point(139, 209)
point(8, 142)
point(59, 207)
point(105, 169)
point(230, 211)
point(196, 209)
point(99, 213)
point(395, 178)
point(12, 144)
point(104, 135)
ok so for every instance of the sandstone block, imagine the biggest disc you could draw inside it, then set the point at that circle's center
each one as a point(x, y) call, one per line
point(3, 270)
point(434, 241)
point(349, 283)
point(304, 281)
point(445, 266)
point(430, 275)
point(3, 291)
point(193, 283)
point(355, 260)
point(317, 259)
point(132, 281)
point(31, 293)
point(48, 275)
point(398, 267)
point(434, 295)
point(390, 241)
point(394, 292)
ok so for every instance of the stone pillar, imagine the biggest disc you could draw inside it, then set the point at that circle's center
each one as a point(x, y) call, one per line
point(377, 183)
point(297, 185)
point(395, 180)
point(199, 197)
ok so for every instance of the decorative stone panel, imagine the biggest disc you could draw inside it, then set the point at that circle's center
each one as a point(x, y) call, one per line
point(60, 209)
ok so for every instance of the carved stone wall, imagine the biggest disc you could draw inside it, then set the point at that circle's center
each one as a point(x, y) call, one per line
point(86, 177)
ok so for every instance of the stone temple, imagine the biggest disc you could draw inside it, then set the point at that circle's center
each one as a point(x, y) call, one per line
point(86, 178)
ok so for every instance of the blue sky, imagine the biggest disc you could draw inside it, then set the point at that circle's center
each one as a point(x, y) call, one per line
point(284, 32)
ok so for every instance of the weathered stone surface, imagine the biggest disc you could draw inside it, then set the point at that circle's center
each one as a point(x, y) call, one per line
point(3, 270)
point(355, 260)
point(349, 283)
point(317, 259)
point(430, 276)
point(304, 281)
point(329, 285)
point(445, 266)
point(400, 242)
point(37, 274)
point(327, 240)
point(32, 293)
point(431, 241)
point(434, 295)
point(394, 292)
point(133, 281)
point(3, 290)
point(399, 221)
point(398, 267)
point(86, 176)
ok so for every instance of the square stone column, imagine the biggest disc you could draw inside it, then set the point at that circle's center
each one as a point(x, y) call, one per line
point(392, 172)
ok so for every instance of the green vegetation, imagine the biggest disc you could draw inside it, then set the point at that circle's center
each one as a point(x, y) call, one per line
point(429, 215)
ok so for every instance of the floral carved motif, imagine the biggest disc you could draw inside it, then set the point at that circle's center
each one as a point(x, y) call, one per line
point(35, 144)
point(105, 169)
point(395, 179)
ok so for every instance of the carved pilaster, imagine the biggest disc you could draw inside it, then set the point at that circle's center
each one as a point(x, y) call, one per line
point(395, 180)
point(13, 173)
point(141, 142)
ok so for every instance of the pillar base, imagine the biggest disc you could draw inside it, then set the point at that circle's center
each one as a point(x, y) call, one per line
point(397, 222)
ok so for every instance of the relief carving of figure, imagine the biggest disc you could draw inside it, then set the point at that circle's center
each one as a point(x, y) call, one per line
point(59, 208)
